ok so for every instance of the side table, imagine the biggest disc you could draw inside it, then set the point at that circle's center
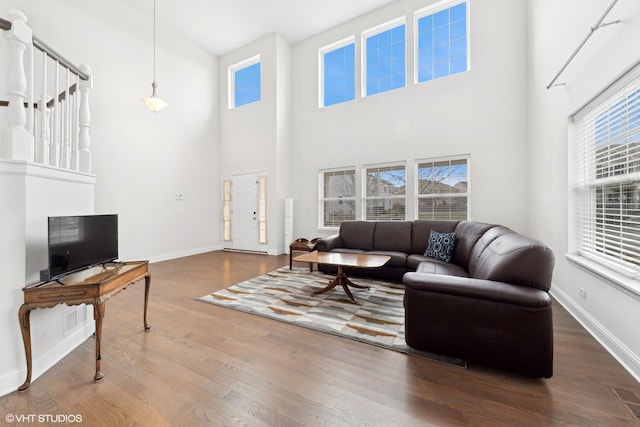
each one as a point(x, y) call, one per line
point(301, 245)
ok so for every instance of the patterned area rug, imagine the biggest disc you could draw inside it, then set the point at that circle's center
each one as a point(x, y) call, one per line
point(286, 295)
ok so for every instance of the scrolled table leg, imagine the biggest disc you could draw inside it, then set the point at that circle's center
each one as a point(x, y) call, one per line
point(147, 285)
point(98, 312)
point(25, 327)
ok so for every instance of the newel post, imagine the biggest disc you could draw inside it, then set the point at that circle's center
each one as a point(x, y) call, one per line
point(17, 141)
point(84, 121)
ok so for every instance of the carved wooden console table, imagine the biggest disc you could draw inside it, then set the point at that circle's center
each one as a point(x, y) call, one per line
point(90, 286)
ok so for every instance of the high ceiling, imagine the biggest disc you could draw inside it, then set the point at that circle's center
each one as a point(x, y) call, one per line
point(221, 26)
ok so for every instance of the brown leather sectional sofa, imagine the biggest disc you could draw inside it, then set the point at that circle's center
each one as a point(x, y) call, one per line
point(488, 305)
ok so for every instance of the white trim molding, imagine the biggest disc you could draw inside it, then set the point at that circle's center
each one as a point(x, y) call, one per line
point(629, 360)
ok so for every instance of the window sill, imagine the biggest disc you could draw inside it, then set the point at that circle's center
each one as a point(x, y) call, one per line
point(624, 283)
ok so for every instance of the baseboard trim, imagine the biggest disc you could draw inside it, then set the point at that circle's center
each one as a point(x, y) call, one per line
point(629, 360)
point(10, 382)
point(182, 254)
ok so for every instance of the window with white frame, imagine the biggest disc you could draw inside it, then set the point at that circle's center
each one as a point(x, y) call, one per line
point(606, 176)
point(384, 57)
point(442, 189)
point(384, 192)
point(441, 34)
point(337, 197)
point(244, 82)
point(337, 63)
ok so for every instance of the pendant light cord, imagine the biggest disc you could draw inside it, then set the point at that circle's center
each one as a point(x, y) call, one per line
point(154, 41)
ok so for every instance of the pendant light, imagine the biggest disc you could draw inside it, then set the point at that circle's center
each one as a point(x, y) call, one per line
point(153, 102)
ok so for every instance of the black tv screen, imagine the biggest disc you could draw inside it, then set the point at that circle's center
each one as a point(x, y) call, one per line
point(77, 242)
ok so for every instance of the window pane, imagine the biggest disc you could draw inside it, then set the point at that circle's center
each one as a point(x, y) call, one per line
point(247, 85)
point(608, 179)
point(444, 34)
point(385, 193)
point(337, 197)
point(385, 65)
point(385, 209)
point(339, 75)
point(337, 211)
point(442, 189)
point(443, 208)
point(339, 184)
point(444, 177)
point(386, 181)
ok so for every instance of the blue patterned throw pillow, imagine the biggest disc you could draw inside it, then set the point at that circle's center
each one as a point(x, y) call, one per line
point(441, 246)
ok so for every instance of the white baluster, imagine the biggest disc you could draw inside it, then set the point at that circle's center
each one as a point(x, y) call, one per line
point(42, 146)
point(55, 128)
point(75, 161)
point(17, 141)
point(84, 141)
point(44, 137)
point(65, 112)
point(30, 96)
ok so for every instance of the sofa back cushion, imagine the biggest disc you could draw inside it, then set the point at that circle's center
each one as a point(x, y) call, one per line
point(392, 236)
point(483, 242)
point(357, 234)
point(421, 230)
point(514, 258)
point(467, 235)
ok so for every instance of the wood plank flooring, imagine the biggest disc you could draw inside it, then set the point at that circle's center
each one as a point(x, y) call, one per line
point(204, 365)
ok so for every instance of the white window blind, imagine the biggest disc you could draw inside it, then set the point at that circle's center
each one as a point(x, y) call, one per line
point(337, 197)
point(442, 189)
point(385, 192)
point(607, 176)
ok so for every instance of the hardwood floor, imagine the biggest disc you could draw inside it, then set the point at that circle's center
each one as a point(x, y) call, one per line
point(202, 364)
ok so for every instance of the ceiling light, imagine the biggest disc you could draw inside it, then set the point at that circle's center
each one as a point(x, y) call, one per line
point(153, 102)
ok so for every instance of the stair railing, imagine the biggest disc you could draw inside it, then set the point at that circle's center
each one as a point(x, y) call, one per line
point(53, 130)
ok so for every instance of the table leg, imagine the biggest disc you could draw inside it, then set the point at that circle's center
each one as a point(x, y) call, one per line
point(290, 259)
point(25, 327)
point(147, 284)
point(98, 313)
point(343, 281)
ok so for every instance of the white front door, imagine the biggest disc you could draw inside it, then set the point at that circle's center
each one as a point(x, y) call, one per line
point(244, 215)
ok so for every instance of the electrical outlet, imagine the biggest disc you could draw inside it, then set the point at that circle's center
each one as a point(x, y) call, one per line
point(583, 293)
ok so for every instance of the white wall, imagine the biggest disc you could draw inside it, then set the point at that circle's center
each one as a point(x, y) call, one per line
point(143, 159)
point(34, 192)
point(482, 113)
point(255, 138)
point(12, 265)
point(556, 29)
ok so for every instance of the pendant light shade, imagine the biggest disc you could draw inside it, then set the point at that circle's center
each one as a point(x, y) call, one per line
point(153, 102)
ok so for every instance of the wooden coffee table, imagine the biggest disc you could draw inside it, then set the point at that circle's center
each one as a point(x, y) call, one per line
point(342, 260)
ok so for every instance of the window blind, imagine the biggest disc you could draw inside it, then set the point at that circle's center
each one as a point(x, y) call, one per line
point(385, 196)
point(607, 176)
point(337, 197)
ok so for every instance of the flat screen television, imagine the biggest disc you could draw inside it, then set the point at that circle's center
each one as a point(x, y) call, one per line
point(77, 242)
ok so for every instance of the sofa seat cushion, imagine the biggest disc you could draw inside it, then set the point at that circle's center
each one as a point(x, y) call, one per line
point(398, 259)
point(429, 265)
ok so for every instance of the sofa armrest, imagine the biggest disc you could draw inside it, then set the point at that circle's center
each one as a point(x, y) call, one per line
point(475, 288)
point(325, 244)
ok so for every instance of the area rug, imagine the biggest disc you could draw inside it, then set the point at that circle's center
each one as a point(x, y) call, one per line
point(287, 295)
